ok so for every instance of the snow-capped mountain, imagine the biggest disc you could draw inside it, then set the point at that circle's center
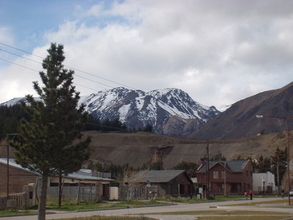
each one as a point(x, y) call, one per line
point(169, 111)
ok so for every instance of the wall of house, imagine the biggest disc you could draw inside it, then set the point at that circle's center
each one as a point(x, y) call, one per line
point(264, 182)
point(17, 179)
point(95, 191)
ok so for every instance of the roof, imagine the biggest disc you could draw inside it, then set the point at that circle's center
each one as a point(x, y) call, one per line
point(233, 166)
point(85, 174)
point(13, 164)
point(155, 176)
point(82, 174)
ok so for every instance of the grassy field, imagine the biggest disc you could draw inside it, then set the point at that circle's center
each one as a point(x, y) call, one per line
point(109, 218)
point(70, 205)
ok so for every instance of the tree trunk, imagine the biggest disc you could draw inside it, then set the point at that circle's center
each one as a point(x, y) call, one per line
point(60, 190)
point(43, 197)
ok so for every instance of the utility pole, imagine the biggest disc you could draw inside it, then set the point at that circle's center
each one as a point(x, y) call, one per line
point(225, 180)
point(208, 169)
point(278, 175)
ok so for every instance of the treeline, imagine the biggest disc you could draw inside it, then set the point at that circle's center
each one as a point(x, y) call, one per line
point(10, 119)
point(276, 164)
point(108, 125)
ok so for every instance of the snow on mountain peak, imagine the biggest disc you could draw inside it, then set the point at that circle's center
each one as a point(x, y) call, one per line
point(168, 110)
point(137, 108)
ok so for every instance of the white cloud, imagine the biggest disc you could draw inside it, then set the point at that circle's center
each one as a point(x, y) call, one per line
point(217, 51)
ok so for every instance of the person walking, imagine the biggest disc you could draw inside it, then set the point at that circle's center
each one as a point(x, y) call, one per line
point(251, 194)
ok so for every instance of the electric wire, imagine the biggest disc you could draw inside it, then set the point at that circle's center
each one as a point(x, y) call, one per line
point(69, 67)
point(38, 71)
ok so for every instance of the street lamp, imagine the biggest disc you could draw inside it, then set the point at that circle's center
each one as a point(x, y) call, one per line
point(288, 151)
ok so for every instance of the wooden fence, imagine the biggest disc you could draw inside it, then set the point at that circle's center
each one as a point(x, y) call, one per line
point(137, 192)
point(15, 201)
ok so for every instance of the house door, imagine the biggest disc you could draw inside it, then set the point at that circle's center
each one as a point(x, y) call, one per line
point(181, 189)
point(106, 191)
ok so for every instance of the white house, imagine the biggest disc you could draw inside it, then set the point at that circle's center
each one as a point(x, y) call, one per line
point(263, 182)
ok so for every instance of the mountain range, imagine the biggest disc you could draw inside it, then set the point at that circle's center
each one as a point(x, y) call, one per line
point(173, 112)
point(169, 111)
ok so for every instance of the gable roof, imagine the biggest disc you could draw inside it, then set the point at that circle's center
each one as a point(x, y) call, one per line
point(232, 166)
point(155, 176)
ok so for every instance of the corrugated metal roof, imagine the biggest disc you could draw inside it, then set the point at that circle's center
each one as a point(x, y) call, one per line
point(82, 174)
point(154, 176)
point(13, 164)
point(233, 166)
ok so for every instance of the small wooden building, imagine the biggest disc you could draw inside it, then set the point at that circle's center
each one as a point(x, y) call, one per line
point(160, 183)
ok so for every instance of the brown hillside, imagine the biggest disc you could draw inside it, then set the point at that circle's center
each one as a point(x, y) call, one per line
point(139, 148)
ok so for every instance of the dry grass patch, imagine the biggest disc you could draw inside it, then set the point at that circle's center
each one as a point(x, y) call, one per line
point(282, 217)
point(221, 212)
point(272, 202)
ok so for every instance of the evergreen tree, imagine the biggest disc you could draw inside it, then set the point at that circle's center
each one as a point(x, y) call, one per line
point(148, 128)
point(50, 142)
point(218, 157)
point(188, 166)
point(279, 165)
point(263, 165)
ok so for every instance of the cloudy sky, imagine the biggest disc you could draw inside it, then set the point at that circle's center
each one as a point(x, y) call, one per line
point(218, 51)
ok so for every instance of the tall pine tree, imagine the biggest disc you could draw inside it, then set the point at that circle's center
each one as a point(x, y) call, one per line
point(50, 142)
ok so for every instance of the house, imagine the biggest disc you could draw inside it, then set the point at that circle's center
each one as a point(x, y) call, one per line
point(158, 183)
point(226, 177)
point(264, 182)
point(84, 183)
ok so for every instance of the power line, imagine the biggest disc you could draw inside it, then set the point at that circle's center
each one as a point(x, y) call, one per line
point(73, 68)
point(20, 50)
point(41, 63)
point(38, 71)
point(18, 64)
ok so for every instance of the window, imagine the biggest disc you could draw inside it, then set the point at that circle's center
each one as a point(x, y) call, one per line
point(222, 174)
point(216, 175)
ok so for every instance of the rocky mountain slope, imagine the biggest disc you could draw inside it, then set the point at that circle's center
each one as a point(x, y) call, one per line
point(170, 111)
point(240, 119)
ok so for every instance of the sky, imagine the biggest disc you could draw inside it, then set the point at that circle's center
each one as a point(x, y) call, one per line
point(218, 51)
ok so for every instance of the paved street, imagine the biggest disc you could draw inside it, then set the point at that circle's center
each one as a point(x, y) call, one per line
point(169, 208)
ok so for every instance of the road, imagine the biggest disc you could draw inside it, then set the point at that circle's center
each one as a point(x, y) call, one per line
point(168, 208)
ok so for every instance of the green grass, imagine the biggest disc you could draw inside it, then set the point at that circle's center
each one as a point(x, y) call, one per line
point(276, 202)
point(221, 212)
point(13, 212)
point(70, 205)
point(108, 218)
point(195, 200)
point(259, 217)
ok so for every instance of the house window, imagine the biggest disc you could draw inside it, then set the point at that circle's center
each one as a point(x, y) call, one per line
point(222, 174)
point(216, 175)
